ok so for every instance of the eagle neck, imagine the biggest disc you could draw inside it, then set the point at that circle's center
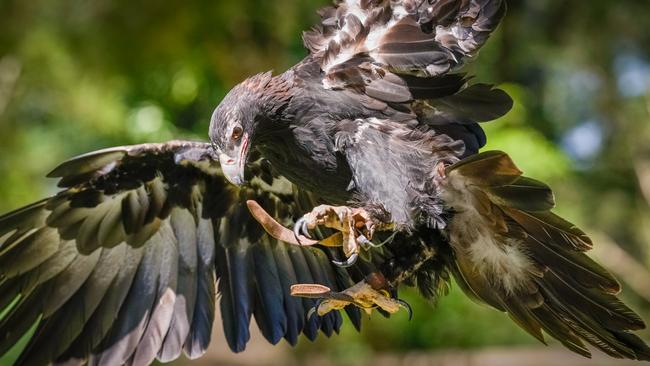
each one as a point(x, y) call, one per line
point(274, 98)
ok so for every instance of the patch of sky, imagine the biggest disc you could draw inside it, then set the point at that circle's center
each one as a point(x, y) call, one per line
point(584, 142)
point(632, 73)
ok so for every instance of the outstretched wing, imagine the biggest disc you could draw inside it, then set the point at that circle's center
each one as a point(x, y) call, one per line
point(403, 52)
point(124, 265)
point(423, 37)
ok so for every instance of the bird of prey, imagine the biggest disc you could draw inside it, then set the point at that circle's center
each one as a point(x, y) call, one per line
point(369, 149)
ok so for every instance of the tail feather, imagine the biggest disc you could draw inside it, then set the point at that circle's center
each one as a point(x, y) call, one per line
point(576, 264)
point(641, 350)
point(523, 316)
point(557, 328)
point(512, 253)
point(523, 194)
point(551, 228)
point(587, 327)
point(610, 311)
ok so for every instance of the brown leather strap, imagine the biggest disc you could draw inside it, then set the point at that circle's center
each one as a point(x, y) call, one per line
point(283, 234)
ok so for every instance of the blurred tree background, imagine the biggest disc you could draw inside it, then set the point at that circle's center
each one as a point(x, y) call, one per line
point(78, 75)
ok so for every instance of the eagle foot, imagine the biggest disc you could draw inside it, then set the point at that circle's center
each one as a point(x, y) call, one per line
point(361, 295)
point(355, 225)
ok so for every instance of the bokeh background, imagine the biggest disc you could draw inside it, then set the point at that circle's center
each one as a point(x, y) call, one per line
point(78, 75)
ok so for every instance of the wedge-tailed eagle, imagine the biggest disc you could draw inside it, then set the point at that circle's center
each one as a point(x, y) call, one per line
point(369, 149)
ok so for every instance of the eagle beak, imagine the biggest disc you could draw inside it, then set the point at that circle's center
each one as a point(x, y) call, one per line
point(233, 168)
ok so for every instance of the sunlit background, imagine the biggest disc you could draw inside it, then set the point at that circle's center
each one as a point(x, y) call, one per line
point(78, 75)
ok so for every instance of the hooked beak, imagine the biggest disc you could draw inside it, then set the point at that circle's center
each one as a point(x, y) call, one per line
point(233, 167)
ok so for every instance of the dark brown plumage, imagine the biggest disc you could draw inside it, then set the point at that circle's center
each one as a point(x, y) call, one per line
point(127, 263)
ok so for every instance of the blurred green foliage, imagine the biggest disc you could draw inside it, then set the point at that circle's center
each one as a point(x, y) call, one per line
point(79, 75)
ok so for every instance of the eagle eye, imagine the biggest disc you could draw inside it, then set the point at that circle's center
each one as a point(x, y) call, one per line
point(237, 132)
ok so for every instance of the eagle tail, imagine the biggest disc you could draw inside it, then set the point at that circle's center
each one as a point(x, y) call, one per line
point(511, 252)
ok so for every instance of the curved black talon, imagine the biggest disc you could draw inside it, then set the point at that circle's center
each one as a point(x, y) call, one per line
point(349, 262)
point(300, 228)
point(406, 306)
point(304, 230)
point(314, 309)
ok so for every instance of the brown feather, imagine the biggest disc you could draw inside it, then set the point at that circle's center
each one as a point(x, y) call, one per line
point(564, 292)
point(523, 194)
point(487, 169)
point(548, 227)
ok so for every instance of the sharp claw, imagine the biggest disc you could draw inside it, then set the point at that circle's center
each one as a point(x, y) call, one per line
point(311, 312)
point(297, 227)
point(314, 309)
point(305, 230)
point(407, 307)
point(341, 216)
point(349, 262)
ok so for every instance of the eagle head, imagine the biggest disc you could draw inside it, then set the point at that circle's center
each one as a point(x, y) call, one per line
point(234, 124)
